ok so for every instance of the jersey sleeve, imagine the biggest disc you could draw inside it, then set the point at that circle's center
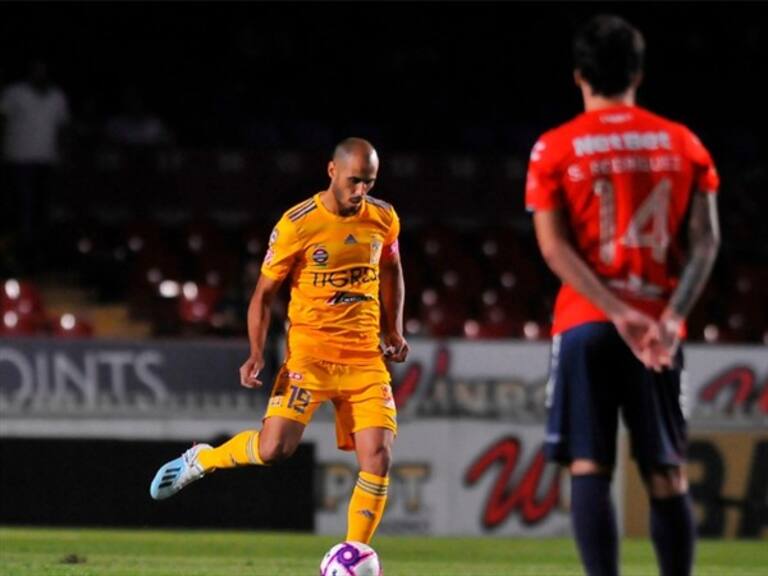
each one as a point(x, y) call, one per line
point(284, 247)
point(391, 243)
point(543, 190)
point(705, 175)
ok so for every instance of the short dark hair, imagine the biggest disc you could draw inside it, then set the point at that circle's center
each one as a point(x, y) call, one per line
point(608, 52)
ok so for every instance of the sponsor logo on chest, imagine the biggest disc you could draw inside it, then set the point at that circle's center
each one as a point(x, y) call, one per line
point(320, 256)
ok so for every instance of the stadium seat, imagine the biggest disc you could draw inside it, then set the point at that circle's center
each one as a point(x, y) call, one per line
point(69, 325)
point(442, 319)
point(21, 296)
point(22, 307)
point(494, 324)
point(14, 324)
point(197, 304)
point(118, 251)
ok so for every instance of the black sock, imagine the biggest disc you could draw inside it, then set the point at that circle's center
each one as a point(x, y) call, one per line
point(594, 524)
point(674, 534)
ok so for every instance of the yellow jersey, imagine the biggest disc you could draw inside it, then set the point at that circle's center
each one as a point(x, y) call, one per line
point(333, 263)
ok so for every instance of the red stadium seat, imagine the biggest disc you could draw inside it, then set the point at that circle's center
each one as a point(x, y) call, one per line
point(21, 296)
point(442, 321)
point(70, 325)
point(714, 333)
point(495, 324)
point(219, 269)
point(21, 306)
point(197, 304)
point(13, 324)
point(413, 326)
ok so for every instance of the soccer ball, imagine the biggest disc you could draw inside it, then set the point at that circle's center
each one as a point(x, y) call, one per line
point(351, 559)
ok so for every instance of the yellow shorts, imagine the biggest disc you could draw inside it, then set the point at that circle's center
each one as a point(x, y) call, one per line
point(361, 395)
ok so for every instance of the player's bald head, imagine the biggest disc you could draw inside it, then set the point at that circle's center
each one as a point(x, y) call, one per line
point(353, 171)
point(357, 148)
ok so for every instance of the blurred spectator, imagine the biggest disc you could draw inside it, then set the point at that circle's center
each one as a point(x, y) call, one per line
point(135, 126)
point(33, 113)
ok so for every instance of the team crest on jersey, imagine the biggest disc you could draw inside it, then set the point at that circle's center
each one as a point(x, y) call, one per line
point(575, 173)
point(320, 256)
point(376, 245)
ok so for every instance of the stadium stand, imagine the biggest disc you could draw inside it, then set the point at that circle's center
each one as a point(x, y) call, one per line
point(181, 238)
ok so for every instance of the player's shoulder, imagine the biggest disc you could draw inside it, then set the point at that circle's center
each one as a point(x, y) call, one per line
point(380, 208)
point(682, 137)
point(293, 221)
point(653, 120)
point(553, 144)
point(686, 139)
point(300, 211)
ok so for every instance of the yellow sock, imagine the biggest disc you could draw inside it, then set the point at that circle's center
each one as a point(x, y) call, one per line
point(241, 450)
point(366, 507)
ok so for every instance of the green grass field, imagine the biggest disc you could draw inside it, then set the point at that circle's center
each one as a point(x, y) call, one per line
point(38, 552)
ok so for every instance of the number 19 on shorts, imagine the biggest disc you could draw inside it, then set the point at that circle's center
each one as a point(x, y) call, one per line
point(299, 399)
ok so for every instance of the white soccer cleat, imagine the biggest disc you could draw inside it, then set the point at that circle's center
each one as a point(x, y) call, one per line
point(177, 473)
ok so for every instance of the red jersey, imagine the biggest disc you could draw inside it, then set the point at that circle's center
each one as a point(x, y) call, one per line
point(624, 178)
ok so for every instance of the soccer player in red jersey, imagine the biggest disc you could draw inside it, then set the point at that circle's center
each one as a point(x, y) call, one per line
point(613, 193)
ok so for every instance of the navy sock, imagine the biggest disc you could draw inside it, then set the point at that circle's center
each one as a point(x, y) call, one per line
point(594, 524)
point(674, 534)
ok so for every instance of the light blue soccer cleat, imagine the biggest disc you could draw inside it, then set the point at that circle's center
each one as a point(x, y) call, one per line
point(177, 473)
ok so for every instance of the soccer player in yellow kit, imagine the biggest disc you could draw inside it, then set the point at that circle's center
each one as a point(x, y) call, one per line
point(340, 250)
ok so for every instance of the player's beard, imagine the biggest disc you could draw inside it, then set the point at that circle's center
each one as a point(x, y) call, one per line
point(352, 208)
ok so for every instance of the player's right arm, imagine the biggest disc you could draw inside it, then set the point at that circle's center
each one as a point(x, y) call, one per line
point(638, 330)
point(259, 314)
point(704, 242)
point(282, 252)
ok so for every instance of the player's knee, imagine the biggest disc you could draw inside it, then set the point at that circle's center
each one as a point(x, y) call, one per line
point(276, 450)
point(666, 482)
point(377, 461)
point(580, 467)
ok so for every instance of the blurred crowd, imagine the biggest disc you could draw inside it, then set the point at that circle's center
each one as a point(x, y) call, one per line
point(123, 209)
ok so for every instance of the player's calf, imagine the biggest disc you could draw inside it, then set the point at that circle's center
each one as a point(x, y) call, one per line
point(273, 450)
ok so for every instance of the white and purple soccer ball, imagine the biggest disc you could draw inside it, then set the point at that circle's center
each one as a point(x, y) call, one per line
point(351, 559)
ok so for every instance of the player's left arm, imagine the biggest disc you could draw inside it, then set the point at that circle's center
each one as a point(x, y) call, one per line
point(704, 241)
point(392, 292)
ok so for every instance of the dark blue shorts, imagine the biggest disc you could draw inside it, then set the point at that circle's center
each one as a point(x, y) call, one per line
point(594, 376)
